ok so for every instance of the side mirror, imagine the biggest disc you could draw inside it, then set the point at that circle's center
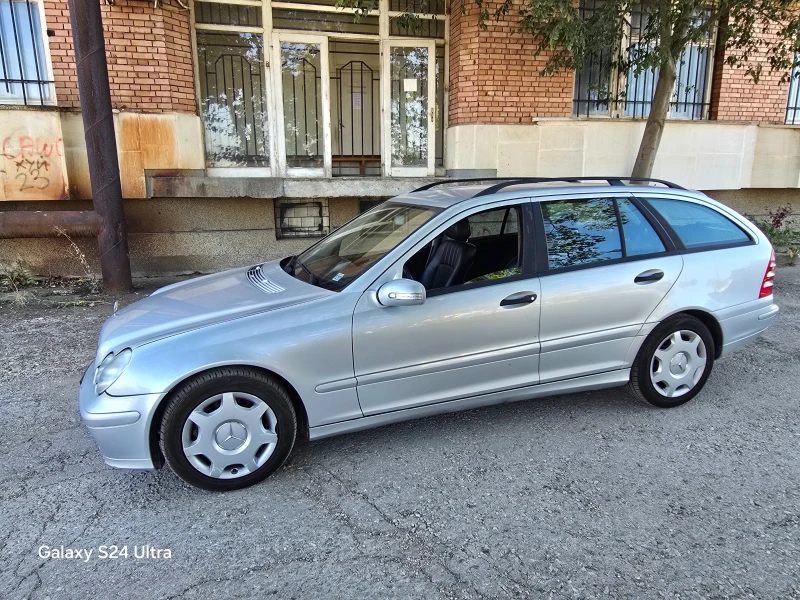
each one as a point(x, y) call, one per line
point(401, 292)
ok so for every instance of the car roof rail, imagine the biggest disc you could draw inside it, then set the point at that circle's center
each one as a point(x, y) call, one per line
point(509, 181)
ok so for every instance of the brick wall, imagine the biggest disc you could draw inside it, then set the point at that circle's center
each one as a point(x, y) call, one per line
point(735, 97)
point(148, 50)
point(494, 77)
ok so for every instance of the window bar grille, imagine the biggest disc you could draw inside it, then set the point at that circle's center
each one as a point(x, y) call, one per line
point(3, 56)
point(35, 53)
point(601, 89)
point(33, 47)
point(793, 102)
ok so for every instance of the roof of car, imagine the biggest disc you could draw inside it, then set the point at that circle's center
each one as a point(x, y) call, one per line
point(454, 192)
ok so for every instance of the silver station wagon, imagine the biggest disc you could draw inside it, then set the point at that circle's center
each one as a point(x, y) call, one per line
point(454, 296)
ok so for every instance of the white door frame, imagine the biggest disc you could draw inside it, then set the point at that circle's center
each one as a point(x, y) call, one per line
point(322, 42)
point(386, 120)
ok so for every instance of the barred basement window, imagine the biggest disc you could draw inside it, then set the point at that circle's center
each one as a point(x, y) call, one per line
point(301, 219)
point(602, 89)
point(24, 73)
point(365, 205)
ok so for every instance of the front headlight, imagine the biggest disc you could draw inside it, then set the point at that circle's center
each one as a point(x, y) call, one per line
point(110, 369)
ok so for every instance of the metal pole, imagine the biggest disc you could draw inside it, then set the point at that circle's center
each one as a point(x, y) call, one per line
point(101, 145)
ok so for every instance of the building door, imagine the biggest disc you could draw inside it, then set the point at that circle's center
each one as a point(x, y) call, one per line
point(409, 108)
point(303, 105)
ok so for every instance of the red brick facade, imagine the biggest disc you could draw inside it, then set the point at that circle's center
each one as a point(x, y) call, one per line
point(494, 76)
point(735, 97)
point(149, 55)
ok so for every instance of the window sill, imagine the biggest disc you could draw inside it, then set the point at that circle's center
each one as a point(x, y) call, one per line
point(195, 184)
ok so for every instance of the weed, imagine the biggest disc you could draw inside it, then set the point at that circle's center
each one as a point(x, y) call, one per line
point(783, 235)
point(15, 278)
point(87, 284)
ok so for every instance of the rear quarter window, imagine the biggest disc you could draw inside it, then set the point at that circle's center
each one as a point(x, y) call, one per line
point(698, 226)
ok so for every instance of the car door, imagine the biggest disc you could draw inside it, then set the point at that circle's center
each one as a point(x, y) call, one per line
point(474, 338)
point(605, 265)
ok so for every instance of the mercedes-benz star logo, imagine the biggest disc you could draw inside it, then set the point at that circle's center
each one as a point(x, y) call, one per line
point(231, 435)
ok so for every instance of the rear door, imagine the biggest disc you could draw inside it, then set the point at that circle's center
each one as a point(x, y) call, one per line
point(605, 264)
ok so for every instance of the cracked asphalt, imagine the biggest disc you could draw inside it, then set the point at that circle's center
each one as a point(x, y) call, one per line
point(582, 496)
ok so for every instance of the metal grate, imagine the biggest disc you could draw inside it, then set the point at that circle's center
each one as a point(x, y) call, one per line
point(262, 282)
point(301, 219)
point(603, 89)
point(23, 65)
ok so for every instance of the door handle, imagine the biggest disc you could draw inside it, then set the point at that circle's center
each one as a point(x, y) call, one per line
point(650, 276)
point(518, 298)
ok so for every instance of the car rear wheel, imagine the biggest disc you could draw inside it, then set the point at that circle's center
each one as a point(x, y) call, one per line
point(228, 428)
point(674, 362)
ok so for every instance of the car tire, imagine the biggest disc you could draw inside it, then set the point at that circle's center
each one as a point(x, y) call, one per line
point(228, 428)
point(674, 362)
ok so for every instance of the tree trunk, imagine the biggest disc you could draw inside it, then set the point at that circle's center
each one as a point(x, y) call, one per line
point(659, 109)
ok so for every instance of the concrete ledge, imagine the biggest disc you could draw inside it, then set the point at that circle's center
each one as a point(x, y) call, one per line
point(192, 186)
point(182, 186)
point(471, 173)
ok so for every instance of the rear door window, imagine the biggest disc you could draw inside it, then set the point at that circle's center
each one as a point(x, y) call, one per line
point(581, 231)
point(698, 226)
point(640, 237)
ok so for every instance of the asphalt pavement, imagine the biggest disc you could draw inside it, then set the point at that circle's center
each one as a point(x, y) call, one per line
point(583, 496)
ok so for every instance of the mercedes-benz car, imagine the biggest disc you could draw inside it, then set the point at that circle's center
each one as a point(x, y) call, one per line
point(451, 297)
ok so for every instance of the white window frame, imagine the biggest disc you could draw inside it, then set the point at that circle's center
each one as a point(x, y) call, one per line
point(386, 91)
point(274, 97)
point(325, 83)
point(48, 75)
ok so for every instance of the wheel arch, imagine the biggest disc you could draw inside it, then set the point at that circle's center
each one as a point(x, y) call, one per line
point(155, 423)
point(710, 321)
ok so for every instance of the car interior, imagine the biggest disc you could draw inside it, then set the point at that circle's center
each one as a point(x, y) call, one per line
point(486, 245)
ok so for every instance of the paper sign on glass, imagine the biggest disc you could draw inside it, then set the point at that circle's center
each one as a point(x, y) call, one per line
point(357, 100)
point(409, 85)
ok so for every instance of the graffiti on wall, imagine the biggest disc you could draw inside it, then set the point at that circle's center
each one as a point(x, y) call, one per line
point(31, 163)
point(32, 159)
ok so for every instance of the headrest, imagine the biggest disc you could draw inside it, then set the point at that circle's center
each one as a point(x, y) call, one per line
point(459, 231)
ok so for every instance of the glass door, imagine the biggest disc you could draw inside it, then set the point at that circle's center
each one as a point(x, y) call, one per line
point(303, 105)
point(409, 102)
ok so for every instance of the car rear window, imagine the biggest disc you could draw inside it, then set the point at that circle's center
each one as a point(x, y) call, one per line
point(698, 226)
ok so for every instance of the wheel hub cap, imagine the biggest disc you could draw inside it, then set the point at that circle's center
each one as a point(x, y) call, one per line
point(231, 435)
point(678, 363)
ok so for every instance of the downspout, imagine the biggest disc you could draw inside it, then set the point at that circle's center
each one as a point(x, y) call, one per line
point(101, 143)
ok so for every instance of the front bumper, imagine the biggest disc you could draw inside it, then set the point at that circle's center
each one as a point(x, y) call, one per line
point(120, 425)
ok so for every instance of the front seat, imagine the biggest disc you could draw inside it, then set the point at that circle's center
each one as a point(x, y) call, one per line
point(451, 259)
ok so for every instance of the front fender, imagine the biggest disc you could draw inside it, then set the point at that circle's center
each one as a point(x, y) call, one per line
point(309, 347)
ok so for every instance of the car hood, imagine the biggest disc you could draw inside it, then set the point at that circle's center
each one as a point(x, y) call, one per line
point(203, 301)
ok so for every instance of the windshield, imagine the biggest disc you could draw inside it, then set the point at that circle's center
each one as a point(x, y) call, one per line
point(346, 253)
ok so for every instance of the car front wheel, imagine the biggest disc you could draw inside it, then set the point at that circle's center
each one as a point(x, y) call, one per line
point(674, 362)
point(228, 428)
